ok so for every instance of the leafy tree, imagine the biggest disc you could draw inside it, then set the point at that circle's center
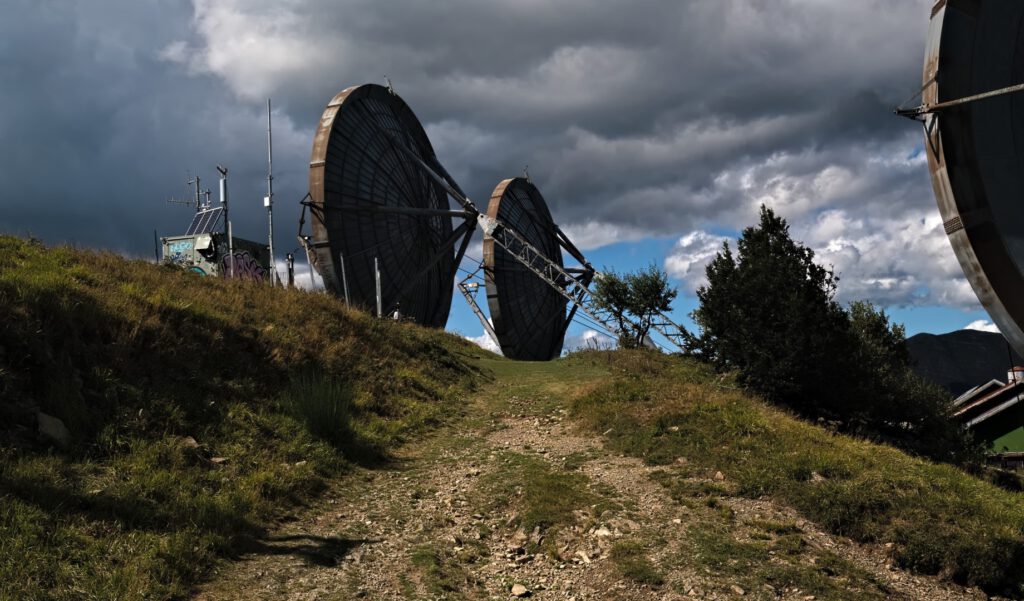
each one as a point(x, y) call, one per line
point(634, 300)
point(770, 313)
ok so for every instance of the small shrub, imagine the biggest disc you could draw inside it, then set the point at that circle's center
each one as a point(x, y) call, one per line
point(323, 404)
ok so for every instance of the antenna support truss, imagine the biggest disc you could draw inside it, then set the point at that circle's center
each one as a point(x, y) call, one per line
point(572, 284)
point(467, 289)
point(920, 111)
point(572, 288)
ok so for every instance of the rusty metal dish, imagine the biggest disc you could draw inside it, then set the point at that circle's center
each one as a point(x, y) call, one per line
point(370, 199)
point(529, 315)
point(976, 149)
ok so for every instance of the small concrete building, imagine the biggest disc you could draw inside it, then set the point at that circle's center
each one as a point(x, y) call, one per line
point(206, 249)
point(994, 412)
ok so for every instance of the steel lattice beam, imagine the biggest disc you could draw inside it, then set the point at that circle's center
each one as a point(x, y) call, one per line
point(560, 279)
point(471, 301)
point(415, 149)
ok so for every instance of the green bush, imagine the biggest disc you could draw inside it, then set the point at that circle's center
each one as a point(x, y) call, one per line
point(769, 312)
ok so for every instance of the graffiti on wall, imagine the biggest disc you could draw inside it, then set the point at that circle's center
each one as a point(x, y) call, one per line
point(179, 252)
point(246, 266)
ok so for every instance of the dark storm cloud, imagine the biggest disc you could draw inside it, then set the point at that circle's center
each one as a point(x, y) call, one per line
point(639, 117)
point(608, 102)
point(98, 130)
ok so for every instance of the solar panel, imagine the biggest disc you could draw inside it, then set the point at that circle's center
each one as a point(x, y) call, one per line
point(195, 224)
point(205, 221)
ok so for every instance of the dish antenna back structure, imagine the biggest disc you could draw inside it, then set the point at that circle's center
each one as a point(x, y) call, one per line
point(383, 233)
point(378, 210)
point(973, 116)
point(528, 313)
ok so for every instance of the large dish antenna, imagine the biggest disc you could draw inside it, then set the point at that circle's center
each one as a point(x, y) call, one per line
point(377, 213)
point(528, 314)
point(383, 232)
point(973, 115)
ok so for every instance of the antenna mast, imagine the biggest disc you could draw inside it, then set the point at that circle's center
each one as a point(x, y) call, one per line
point(223, 171)
point(269, 200)
point(197, 200)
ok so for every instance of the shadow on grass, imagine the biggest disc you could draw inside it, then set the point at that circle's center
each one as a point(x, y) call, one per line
point(366, 454)
point(324, 551)
point(134, 513)
point(325, 405)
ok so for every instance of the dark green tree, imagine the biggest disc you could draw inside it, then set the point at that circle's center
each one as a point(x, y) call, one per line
point(769, 312)
point(892, 402)
point(634, 300)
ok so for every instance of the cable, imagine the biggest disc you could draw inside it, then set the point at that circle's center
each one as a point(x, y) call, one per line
point(587, 322)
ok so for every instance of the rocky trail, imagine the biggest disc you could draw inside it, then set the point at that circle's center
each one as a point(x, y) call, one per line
point(514, 501)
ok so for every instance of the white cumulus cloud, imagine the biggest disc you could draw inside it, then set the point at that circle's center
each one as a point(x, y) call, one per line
point(588, 339)
point(982, 325)
point(890, 260)
point(691, 255)
point(485, 342)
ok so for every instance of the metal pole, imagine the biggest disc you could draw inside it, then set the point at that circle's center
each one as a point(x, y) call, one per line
point(227, 218)
point(290, 260)
point(344, 279)
point(1013, 374)
point(231, 249)
point(467, 291)
point(156, 246)
point(269, 200)
point(925, 109)
point(376, 272)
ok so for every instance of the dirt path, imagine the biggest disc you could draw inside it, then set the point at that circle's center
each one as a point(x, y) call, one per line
point(450, 520)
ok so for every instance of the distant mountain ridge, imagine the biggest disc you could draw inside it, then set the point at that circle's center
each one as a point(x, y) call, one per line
point(960, 360)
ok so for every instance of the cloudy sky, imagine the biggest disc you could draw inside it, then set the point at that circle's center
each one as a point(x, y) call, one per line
point(654, 128)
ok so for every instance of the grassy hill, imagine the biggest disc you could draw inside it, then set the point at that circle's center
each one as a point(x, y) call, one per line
point(935, 518)
point(200, 411)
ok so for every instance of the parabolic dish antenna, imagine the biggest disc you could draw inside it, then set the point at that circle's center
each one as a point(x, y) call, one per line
point(383, 234)
point(528, 313)
point(373, 202)
point(973, 112)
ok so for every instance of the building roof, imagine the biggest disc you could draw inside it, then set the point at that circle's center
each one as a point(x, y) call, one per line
point(977, 392)
point(986, 402)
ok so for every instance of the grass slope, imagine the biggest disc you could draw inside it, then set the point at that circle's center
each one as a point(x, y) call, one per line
point(939, 519)
point(196, 408)
point(201, 409)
